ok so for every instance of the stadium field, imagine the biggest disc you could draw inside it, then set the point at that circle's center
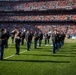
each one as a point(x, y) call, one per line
point(40, 61)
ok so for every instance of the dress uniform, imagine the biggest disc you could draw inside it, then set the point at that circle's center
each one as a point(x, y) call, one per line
point(46, 38)
point(13, 36)
point(23, 37)
point(40, 38)
point(2, 43)
point(36, 36)
point(54, 41)
point(17, 41)
point(57, 40)
point(63, 38)
point(7, 37)
point(28, 39)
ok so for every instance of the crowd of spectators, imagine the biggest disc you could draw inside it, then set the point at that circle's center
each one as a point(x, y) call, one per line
point(71, 29)
point(29, 6)
point(39, 18)
point(46, 5)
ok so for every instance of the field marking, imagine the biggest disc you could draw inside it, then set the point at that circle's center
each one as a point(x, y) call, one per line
point(23, 52)
point(14, 55)
point(9, 56)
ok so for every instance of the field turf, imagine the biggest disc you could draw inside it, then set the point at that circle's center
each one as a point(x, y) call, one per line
point(40, 61)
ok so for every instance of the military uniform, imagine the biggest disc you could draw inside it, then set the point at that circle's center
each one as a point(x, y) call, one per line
point(63, 38)
point(28, 40)
point(40, 38)
point(13, 36)
point(54, 42)
point(46, 38)
point(17, 42)
point(57, 40)
point(23, 37)
point(2, 43)
point(7, 37)
point(35, 39)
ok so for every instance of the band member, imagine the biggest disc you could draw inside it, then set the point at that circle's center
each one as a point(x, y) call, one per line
point(17, 41)
point(40, 38)
point(46, 38)
point(28, 40)
point(63, 38)
point(2, 43)
point(35, 39)
point(7, 34)
point(54, 41)
point(13, 36)
point(23, 36)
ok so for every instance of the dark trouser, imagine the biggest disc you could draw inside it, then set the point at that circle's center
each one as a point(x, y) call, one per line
point(63, 42)
point(54, 47)
point(35, 43)
point(57, 46)
point(28, 45)
point(12, 39)
point(60, 43)
point(45, 41)
point(48, 40)
point(17, 45)
point(22, 41)
point(40, 42)
point(6, 43)
point(1, 50)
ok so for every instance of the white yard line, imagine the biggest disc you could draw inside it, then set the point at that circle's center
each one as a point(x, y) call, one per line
point(14, 55)
point(23, 52)
point(9, 56)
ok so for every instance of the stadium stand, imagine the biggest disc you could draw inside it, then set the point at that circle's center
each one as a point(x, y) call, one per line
point(35, 6)
point(45, 5)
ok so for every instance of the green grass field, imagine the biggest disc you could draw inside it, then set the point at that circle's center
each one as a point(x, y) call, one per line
point(40, 61)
